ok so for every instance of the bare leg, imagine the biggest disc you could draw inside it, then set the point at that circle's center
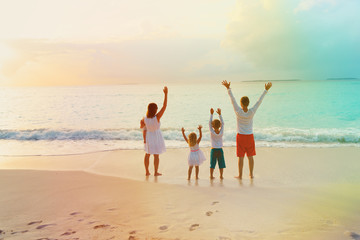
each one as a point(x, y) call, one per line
point(156, 165)
point(146, 163)
point(189, 172)
point(241, 164)
point(221, 173)
point(212, 173)
point(251, 166)
point(197, 172)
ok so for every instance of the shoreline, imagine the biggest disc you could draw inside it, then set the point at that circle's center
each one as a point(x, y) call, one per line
point(296, 194)
point(301, 166)
point(262, 145)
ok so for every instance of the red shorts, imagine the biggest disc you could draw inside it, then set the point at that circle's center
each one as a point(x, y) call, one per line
point(245, 144)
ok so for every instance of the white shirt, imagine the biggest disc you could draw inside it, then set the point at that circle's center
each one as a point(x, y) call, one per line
point(216, 139)
point(245, 119)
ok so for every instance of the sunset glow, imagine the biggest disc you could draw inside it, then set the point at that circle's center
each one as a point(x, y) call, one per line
point(116, 42)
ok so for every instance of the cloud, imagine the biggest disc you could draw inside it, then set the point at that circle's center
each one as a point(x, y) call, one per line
point(44, 62)
point(306, 5)
point(307, 39)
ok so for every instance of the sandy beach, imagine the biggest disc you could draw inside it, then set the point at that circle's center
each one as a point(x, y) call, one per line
point(297, 193)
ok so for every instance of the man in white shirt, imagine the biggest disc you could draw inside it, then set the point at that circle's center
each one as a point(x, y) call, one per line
point(245, 139)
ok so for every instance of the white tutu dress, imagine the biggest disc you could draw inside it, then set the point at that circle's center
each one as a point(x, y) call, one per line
point(154, 139)
point(196, 156)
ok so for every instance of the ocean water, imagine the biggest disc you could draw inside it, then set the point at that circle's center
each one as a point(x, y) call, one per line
point(73, 120)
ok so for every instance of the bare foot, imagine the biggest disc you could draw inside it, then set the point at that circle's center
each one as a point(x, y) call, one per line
point(238, 177)
point(221, 177)
point(197, 178)
point(212, 177)
point(157, 174)
point(251, 176)
point(147, 174)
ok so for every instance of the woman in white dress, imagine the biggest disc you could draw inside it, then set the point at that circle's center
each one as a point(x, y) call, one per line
point(196, 156)
point(153, 139)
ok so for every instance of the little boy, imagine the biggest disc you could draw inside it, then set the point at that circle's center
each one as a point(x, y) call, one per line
point(216, 135)
point(245, 142)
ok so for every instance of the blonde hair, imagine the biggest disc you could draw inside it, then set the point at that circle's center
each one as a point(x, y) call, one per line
point(192, 139)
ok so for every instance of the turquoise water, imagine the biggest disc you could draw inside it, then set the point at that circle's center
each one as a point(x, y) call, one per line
point(66, 120)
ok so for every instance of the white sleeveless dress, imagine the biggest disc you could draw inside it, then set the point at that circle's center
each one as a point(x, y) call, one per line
point(154, 139)
point(196, 156)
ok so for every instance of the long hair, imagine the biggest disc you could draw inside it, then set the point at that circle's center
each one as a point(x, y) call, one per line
point(152, 109)
point(192, 139)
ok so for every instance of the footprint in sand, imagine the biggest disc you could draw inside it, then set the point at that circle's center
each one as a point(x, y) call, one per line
point(25, 231)
point(132, 232)
point(163, 228)
point(35, 222)
point(194, 227)
point(69, 232)
point(74, 213)
point(213, 203)
point(112, 209)
point(352, 235)
point(132, 238)
point(209, 213)
point(45, 225)
point(101, 226)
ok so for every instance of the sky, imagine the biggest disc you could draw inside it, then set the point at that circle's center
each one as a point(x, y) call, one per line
point(93, 42)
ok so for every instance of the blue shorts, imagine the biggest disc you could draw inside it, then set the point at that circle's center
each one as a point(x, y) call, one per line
point(217, 154)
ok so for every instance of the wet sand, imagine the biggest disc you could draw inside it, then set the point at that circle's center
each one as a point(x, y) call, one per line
point(299, 193)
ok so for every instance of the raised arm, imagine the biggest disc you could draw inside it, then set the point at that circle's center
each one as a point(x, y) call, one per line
point(200, 134)
point(210, 121)
point(257, 104)
point(162, 110)
point(232, 98)
point(183, 133)
point(221, 120)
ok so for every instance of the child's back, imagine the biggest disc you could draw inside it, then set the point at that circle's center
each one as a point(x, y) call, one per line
point(216, 128)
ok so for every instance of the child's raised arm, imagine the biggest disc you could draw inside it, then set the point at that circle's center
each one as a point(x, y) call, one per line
point(162, 110)
point(183, 133)
point(221, 120)
point(211, 118)
point(200, 134)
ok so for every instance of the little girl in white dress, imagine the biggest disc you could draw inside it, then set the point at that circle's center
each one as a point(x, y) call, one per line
point(196, 156)
point(153, 139)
